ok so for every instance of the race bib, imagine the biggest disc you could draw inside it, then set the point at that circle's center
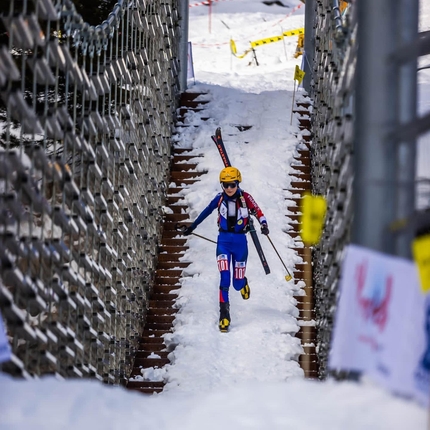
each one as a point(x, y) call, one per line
point(239, 269)
point(222, 262)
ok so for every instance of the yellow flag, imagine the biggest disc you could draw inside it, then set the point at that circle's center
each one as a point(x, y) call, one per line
point(299, 74)
point(421, 253)
point(234, 50)
point(343, 5)
point(313, 210)
point(233, 47)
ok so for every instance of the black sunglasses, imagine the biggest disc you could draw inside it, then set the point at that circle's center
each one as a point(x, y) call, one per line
point(229, 185)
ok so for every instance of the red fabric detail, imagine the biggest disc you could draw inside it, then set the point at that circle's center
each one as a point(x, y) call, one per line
point(221, 298)
point(219, 204)
point(252, 205)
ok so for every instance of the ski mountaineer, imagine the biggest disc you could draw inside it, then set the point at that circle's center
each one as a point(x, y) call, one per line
point(234, 208)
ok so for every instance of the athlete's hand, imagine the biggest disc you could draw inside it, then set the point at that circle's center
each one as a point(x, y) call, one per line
point(264, 229)
point(188, 231)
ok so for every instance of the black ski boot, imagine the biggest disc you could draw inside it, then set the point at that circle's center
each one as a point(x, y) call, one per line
point(224, 317)
point(245, 291)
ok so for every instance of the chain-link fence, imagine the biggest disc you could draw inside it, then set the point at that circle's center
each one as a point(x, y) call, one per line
point(86, 115)
point(340, 130)
point(332, 93)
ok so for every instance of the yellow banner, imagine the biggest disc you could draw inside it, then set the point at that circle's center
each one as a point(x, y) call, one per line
point(234, 50)
point(313, 210)
point(421, 253)
point(267, 40)
point(295, 32)
point(233, 47)
point(299, 74)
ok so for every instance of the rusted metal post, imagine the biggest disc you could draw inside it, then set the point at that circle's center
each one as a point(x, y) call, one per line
point(308, 364)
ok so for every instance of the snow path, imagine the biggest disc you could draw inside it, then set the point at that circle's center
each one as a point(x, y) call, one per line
point(260, 345)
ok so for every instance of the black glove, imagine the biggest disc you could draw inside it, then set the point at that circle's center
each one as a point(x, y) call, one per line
point(188, 231)
point(264, 229)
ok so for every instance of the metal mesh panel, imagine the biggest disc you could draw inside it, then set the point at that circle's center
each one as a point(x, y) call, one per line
point(332, 92)
point(333, 87)
point(86, 116)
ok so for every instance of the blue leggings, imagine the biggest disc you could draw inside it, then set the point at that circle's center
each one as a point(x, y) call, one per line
point(231, 250)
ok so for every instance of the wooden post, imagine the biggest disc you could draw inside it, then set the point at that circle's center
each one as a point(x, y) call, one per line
point(307, 305)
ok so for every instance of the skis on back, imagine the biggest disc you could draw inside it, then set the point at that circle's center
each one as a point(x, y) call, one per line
point(221, 147)
point(217, 138)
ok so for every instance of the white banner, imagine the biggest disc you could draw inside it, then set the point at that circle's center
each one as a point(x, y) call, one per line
point(5, 352)
point(382, 325)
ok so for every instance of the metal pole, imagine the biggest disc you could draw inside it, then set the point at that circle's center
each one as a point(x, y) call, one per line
point(406, 150)
point(210, 16)
point(309, 46)
point(288, 277)
point(183, 45)
point(375, 107)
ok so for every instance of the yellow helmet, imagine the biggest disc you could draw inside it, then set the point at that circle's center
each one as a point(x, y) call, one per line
point(230, 174)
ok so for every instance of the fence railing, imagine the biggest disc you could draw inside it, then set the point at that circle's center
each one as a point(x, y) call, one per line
point(86, 115)
point(332, 91)
point(332, 69)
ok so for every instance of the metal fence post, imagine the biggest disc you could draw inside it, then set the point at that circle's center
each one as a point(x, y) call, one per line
point(309, 48)
point(385, 99)
point(407, 149)
point(375, 105)
point(183, 45)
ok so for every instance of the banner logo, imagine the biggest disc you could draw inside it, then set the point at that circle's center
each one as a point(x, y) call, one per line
point(373, 297)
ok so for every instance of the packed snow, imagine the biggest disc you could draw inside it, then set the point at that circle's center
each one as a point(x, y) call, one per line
point(248, 378)
point(297, 404)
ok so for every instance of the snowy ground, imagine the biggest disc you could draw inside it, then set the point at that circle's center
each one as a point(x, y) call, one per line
point(248, 378)
point(298, 404)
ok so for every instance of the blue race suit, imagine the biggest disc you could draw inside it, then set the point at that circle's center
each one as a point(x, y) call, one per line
point(232, 245)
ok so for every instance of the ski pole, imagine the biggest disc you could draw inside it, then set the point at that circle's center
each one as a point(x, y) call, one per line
point(287, 277)
point(202, 237)
point(181, 228)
